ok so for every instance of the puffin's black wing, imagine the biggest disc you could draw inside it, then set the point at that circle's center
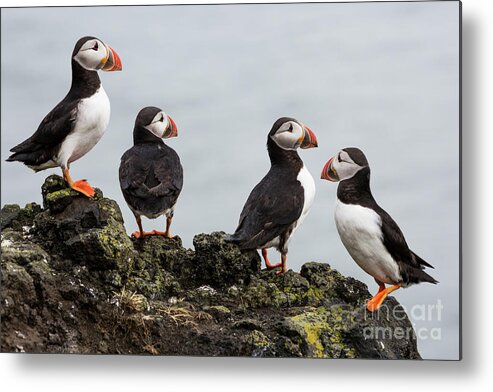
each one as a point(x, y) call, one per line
point(166, 175)
point(54, 128)
point(410, 264)
point(273, 205)
point(149, 172)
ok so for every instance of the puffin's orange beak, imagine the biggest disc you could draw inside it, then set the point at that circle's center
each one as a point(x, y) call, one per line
point(328, 172)
point(113, 62)
point(173, 128)
point(309, 139)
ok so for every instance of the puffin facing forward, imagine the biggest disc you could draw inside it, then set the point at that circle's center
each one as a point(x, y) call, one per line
point(77, 123)
point(151, 175)
point(369, 234)
point(280, 202)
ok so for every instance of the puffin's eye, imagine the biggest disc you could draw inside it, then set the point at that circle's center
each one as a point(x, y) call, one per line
point(95, 47)
point(290, 128)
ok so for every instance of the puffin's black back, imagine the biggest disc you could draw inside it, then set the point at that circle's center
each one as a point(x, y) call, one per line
point(151, 174)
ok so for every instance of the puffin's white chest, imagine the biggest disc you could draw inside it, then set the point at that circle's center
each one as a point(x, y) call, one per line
point(93, 115)
point(360, 231)
point(306, 180)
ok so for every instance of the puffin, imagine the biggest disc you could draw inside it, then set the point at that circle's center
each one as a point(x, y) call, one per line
point(79, 121)
point(370, 235)
point(280, 202)
point(151, 174)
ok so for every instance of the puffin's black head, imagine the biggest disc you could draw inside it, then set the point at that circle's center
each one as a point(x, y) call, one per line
point(93, 54)
point(289, 134)
point(344, 165)
point(155, 121)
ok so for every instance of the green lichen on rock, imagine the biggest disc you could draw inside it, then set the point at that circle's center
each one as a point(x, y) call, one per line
point(9, 213)
point(17, 249)
point(256, 344)
point(73, 281)
point(219, 312)
point(57, 201)
point(320, 333)
point(222, 263)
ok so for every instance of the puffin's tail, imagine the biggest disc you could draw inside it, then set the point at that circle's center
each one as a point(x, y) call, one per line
point(420, 261)
point(419, 276)
point(413, 275)
point(232, 238)
point(237, 240)
point(29, 153)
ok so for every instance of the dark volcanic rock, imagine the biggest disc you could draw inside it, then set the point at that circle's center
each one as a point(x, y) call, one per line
point(74, 282)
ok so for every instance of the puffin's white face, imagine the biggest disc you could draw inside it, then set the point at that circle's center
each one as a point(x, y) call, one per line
point(340, 167)
point(94, 55)
point(162, 126)
point(292, 135)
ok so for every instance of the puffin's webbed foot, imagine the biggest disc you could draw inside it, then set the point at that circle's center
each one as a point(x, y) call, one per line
point(81, 186)
point(375, 303)
point(142, 234)
point(163, 233)
point(270, 266)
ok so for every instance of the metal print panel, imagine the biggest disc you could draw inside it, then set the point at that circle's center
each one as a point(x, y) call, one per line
point(268, 180)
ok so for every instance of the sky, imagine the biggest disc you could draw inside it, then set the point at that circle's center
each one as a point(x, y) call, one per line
point(383, 77)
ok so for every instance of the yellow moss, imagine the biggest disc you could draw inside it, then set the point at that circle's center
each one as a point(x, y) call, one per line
point(314, 293)
point(258, 339)
point(61, 193)
point(312, 325)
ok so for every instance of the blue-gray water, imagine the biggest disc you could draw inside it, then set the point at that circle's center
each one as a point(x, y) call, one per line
point(383, 77)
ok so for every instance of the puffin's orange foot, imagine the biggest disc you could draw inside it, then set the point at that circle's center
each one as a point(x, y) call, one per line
point(272, 266)
point(281, 271)
point(374, 303)
point(163, 233)
point(138, 234)
point(83, 187)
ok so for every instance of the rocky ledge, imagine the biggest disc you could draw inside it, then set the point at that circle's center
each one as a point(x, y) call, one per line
point(73, 281)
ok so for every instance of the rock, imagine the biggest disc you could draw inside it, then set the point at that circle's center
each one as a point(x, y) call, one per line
point(9, 213)
point(86, 231)
point(256, 344)
point(248, 324)
point(73, 281)
point(219, 312)
point(19, 219)
point(221, 263)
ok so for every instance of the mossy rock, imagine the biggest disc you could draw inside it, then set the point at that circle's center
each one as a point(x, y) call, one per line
point(12, 216)
point(19, 250)
point(319, 333)
point(107, 248)
point(73, 281)
point(158, 252)
point(222, 264)
point(256, 344)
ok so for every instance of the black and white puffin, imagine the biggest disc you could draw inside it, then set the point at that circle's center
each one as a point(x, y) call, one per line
point(369, 234)
point(280, 202)
point(77, 123)
point(151, 175)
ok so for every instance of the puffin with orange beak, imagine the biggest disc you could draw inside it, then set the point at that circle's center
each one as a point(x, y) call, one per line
point(369, 234)
point(151, 175)
point(79, 121)
point(280, 202)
